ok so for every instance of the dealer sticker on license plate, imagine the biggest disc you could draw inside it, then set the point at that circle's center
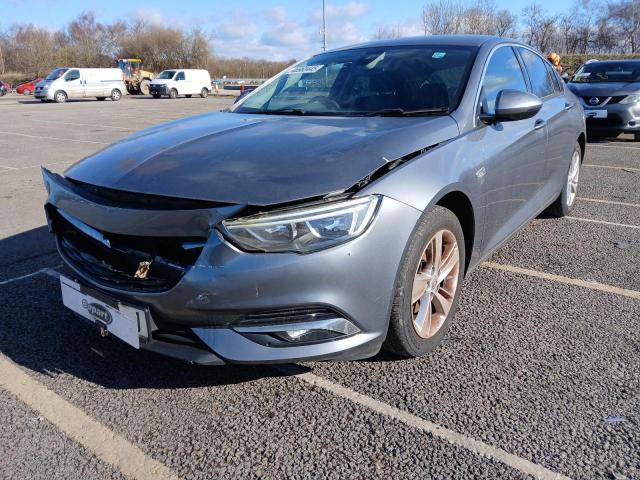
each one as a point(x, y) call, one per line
point(128, 323)
point(595, 113)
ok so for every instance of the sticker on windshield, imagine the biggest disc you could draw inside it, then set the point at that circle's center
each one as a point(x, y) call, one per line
point(438, 55)
point(305, 69)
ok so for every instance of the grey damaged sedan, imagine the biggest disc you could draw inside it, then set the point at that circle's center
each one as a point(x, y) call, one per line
point(332, 212)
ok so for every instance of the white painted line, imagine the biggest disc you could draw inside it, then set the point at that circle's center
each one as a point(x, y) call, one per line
point(455, 438)
point(612, 202)
point(9, 169)
point(83, 125)
point(613, 224)
point(36, 166)
point(566, 280)
point(54, 138)
point(611, 146)
point(48, 271)
point(611, 166)
point(92, 435)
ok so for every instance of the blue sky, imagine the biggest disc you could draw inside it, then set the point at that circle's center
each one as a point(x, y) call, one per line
point(277, 29)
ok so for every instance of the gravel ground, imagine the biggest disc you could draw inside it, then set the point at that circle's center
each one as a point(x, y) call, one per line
point(536, 368)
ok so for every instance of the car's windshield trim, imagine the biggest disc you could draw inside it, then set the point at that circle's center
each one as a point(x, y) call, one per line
point(458, 97)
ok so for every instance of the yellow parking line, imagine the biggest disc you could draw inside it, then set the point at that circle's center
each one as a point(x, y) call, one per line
point(612, 202)
point(480, 448)
point(566, 280)
point(613, 224)
point(54, 138)
point(92, 435)
point(612, 167)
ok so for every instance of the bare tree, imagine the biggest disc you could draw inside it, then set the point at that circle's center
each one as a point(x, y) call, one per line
point(443, 17)
point(540, 28)
point(625, 16)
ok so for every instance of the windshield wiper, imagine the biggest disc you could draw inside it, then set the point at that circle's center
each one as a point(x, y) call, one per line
point(401, 112)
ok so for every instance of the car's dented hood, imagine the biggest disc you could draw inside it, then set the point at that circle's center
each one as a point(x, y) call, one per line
point(604, 89)
point(258, 159)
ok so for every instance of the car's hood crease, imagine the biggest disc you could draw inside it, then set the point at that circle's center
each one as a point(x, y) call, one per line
point(258, 160)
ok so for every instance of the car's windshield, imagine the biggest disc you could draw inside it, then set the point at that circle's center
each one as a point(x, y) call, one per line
point(423, 79)
point(601, 72)
point(166, 74)
point(57, 73)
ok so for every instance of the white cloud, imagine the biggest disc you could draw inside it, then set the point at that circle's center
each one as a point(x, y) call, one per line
point(347, 12)
point(288, 34)
point(276, 14)
point(236, 30)
point(149, 15)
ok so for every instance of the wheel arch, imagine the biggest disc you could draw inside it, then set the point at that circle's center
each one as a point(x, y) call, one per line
point(582, 141)
point(460, 204)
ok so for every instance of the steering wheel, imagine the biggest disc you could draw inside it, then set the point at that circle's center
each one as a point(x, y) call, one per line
point(326, 101)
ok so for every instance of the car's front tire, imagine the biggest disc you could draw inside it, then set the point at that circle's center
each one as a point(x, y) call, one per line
point(60, 97)
point(116, 95)
point(173, 93)
point(428, 285)
point(566, 200)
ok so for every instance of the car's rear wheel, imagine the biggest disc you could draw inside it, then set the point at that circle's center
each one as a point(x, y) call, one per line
point(115, 95)
point(428, 285)
point(173, 93)
point(567, 198)
point(204, 93)
point(60, 97)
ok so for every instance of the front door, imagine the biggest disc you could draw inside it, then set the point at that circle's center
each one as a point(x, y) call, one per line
point(515, 151)
point(74, 84)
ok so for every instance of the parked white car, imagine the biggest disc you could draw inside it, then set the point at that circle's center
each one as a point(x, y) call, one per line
point(185, 82)
point(64, 83)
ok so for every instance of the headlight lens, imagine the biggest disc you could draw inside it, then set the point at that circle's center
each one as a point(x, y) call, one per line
point(630, 99)
point(305, 229)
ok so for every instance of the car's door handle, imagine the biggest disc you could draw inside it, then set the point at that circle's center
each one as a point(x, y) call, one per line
point(539, 124)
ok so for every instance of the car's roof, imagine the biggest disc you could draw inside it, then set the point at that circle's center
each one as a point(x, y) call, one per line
point(454, 40)
point(613, 60)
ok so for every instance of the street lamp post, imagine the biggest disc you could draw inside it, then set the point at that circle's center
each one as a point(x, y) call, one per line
point(324, 27)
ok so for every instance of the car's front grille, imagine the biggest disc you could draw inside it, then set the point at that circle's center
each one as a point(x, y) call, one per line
point(612, 120)
point(120, 261)
point(615, 100)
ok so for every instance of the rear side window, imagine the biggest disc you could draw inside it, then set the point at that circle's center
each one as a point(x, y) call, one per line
point(541, 82)
point(503, 73)
point(180, 76)
point(555, 78)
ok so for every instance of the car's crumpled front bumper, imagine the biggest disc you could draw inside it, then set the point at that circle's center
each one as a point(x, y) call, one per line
point(222, 305)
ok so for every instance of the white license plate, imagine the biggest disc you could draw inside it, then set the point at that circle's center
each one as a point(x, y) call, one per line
point(128, 323)
point(595, 113)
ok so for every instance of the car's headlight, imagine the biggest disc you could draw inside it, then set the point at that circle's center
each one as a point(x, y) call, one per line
point(303, 229)
point(630, 99)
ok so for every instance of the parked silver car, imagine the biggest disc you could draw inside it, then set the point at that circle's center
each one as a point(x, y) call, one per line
point(610, 93)
point(333, 211)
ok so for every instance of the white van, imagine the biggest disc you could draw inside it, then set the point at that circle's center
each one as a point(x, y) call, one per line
point(181, 82)
point(64, 83)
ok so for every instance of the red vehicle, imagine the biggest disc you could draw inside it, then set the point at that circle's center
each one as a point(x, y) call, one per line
point(27, 88)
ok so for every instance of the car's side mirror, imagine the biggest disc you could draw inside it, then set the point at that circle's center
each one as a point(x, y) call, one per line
point(242, 95)
point(513, 105)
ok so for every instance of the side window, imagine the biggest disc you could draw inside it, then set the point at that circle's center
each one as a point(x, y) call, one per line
point(72, 75)
point(503, 73)
point(541, 82)
point(180, 76)
point(555, 78)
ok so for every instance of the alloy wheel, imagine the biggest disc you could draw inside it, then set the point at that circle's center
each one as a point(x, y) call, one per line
point(435, 283)
point(572, 178)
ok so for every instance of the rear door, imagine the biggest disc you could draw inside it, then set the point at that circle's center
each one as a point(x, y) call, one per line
point(515, 152)
point(544, 84)
point(74, 84)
